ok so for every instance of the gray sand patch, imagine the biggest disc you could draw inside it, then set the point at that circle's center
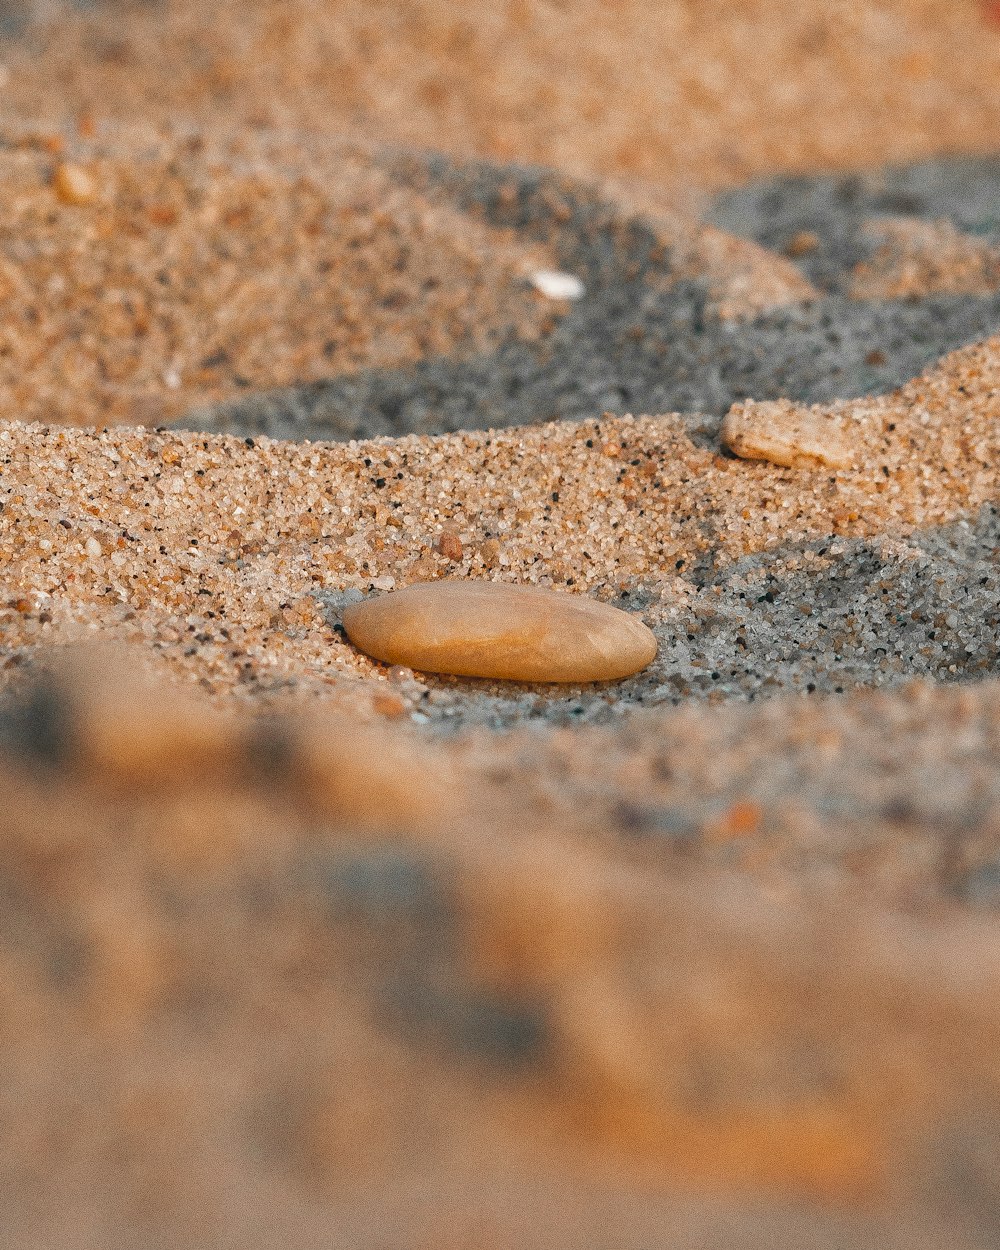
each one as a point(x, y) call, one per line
point(834, 209)
point(644, 338)
point(822, 617)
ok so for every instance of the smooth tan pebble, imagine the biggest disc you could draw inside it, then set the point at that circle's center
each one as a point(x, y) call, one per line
point(491, 629)
point(73, 184)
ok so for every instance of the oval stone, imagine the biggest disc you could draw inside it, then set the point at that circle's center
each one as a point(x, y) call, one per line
point(491, 629)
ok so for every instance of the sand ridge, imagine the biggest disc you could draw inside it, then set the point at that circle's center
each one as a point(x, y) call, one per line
point(219, 551)
point(194, 274)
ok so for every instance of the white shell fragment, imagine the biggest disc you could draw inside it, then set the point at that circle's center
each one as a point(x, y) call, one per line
point(554, 284)
point(786, 434)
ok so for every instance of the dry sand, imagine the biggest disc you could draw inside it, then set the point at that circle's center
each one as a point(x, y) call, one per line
point(657, 91)
point(300, 948)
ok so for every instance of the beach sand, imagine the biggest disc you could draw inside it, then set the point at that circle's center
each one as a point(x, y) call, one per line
point(299, 947)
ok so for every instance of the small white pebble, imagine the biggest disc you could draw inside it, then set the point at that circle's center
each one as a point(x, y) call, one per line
point(172, 379)
point(94, 547)
point(556, 285)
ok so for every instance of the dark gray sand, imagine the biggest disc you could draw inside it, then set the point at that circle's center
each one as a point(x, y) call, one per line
point(834, 209)
point(827, 616)
point(645, 337)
